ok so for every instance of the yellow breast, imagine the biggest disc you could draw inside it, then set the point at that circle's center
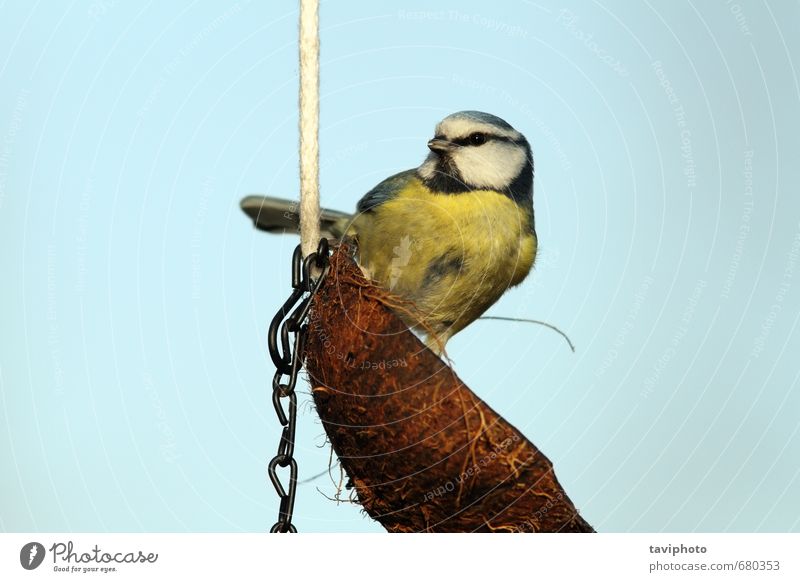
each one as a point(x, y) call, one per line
point(453, 255)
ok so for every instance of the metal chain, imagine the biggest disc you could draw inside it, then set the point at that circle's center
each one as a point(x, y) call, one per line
point(287, 357)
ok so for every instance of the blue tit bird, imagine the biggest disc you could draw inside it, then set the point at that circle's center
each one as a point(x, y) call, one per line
point(450, 236)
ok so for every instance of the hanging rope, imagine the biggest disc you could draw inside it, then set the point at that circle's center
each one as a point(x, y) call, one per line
point(309, 126)
point(421, 450)
point(290, 319)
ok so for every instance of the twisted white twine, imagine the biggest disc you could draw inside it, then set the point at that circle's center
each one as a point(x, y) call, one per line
point(309, 126)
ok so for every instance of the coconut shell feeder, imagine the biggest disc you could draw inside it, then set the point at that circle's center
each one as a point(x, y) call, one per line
point(423, 452)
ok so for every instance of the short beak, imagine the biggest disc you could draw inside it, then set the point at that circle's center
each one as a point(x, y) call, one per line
point(441, 145)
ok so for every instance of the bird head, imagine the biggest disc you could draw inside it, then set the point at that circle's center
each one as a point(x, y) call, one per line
point(472, 150)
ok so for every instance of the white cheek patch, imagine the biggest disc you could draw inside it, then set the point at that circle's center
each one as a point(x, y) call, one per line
point(493, 165)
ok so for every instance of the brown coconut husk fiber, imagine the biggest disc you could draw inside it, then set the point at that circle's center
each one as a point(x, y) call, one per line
point(422, 451)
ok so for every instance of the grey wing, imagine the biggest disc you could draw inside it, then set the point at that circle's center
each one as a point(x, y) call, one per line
point(384, 191)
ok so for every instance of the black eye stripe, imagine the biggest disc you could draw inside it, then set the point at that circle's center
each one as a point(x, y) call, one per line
point(465, 141)
point(475, 139)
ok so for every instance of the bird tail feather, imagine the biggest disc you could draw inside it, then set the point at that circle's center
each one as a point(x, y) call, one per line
point(279, 215)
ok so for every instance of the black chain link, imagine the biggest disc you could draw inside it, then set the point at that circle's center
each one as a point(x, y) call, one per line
point(287, 357)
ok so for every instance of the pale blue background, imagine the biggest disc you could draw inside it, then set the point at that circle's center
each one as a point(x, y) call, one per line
point(134, 382)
